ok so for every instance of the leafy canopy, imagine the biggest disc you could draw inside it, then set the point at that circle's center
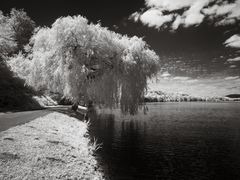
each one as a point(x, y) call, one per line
point(89, 62)
point(15, 31)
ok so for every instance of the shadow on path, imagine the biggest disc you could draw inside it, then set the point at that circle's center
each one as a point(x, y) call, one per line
point(8, 120)
point(11, 119)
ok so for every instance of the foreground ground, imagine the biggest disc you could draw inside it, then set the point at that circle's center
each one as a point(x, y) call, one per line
point(55, 146)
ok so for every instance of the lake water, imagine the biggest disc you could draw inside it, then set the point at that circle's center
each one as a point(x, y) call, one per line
point(173, 141)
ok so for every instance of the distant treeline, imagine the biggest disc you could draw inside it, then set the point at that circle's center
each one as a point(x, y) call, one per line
point(189, 99)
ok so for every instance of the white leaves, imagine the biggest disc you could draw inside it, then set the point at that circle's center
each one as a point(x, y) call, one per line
point(78, 59)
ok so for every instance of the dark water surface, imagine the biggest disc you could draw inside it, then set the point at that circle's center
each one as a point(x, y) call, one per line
point(173, 141)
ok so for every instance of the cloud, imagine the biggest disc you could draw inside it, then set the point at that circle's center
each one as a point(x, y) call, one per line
point(159, 13)
point(182, 78)
point(233, 41)
point(231, 77)
point(219, 10)
point(155, 18)
point(177, 22)
point(234, 59)
point(135, 16)
point(232, 66)
point(194, 16)
point(233, 15)
point(229, 11)
point(169, 5)
point(165, 74)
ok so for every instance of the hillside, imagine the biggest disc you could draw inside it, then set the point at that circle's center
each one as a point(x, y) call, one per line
point(160, 96)
point(14, 95)
point(233, 96)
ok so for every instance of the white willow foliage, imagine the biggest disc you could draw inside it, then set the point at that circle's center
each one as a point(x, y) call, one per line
point(89, 62)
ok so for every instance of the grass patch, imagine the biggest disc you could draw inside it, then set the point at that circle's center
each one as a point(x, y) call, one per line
point(65, 154)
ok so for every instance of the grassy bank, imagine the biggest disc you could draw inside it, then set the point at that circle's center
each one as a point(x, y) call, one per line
point(55, 146)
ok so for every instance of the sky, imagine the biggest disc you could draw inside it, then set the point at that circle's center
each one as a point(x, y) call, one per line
point(198, 41)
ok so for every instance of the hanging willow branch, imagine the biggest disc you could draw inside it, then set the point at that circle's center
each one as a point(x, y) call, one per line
point(87, 61)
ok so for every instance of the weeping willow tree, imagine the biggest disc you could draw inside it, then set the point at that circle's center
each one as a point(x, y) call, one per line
point(89, 62)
